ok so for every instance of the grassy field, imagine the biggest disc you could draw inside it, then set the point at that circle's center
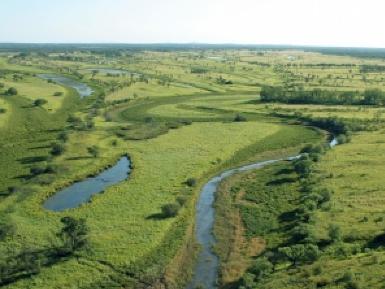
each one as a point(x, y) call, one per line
point(183, 115)
point(34, 88)
point(5, 111)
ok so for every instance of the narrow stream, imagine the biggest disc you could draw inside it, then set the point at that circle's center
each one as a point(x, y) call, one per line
point(83, 89)
point(81, 192)
point(207, 264)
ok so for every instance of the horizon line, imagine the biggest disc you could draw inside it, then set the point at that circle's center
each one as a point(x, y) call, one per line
point(194, 43)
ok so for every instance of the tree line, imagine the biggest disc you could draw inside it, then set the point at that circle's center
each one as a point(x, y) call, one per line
point(299, 95)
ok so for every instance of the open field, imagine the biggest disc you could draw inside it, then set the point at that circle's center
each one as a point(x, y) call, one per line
point(183, 117)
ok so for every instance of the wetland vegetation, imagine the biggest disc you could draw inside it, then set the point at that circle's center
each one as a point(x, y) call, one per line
point(183, 115)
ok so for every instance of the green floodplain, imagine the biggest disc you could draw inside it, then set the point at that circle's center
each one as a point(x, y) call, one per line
point(183, 115)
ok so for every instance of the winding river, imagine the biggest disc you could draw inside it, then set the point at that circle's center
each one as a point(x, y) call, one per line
point(81, 192)
point(205, 273)
point(83, 89)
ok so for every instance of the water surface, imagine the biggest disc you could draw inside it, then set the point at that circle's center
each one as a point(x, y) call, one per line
point(83, 89)
point(81, 192)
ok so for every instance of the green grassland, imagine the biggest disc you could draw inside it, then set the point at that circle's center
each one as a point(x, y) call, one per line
point(5, 111)
point(175, 115)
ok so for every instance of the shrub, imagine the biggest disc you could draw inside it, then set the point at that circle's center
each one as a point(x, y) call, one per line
point(191, 182)
point(93, 151)
point(11, 91)
point(6, 229)
point(57, 149)
point(3, 110)
point(39, 102)
point(343, 138)
point(300, 253)
point(170, 210)
point(63, 136)
point(37, 170)
point(74, 234)
point(248, 281)
point(334, 233)
point(303, 167)
point(58, 93)
point(261, 268)
point(240, 118)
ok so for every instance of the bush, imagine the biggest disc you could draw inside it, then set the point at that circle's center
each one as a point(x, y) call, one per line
point(74, 234)
point(6, 229)
point(191, 182)
point(3, 110)
point(170, 210)
point(240, 118)
point(39, 102)
point(334, 233)
point(37, 170)
point(94, 151)
point(303, 167)
point(63, 136)
point(57, 149)
point(261, 268)
point(58, 93)
point(11, 91)
point(300, 253)
point(343, 138)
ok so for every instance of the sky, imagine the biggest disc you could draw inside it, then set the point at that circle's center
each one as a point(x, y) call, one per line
point(293, 22)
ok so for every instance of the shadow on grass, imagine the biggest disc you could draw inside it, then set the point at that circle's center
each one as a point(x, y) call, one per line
point(281, 181)
point(156, 216)
point(31, 160)
point(79, 158)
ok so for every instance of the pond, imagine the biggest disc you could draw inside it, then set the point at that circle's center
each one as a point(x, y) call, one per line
point(83, 89)
point(81, 192)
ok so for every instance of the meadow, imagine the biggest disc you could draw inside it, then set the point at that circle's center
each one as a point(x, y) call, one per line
point(183, 116)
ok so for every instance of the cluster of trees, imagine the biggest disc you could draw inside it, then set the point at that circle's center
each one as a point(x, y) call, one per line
point(77, 123)
point(199, 70)
point(367, 68)
point(299, 95)
point(302, 245)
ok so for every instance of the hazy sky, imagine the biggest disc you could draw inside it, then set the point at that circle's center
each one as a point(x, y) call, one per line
point(308, 22)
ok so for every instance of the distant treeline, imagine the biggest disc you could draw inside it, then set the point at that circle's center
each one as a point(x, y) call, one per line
point(104, 47)
point(321, 96)
point(372, 68)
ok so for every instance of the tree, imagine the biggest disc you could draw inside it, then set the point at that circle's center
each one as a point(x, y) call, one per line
point(261, 268)
point(300, 253)
point(57, 149)
point(74, 234)
point(39, 102)
point(94, 151)
point(240, 118)
point(11, 91)
point(334, 232)
point(303, 167)
point(170, 210)
point(191, 182)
